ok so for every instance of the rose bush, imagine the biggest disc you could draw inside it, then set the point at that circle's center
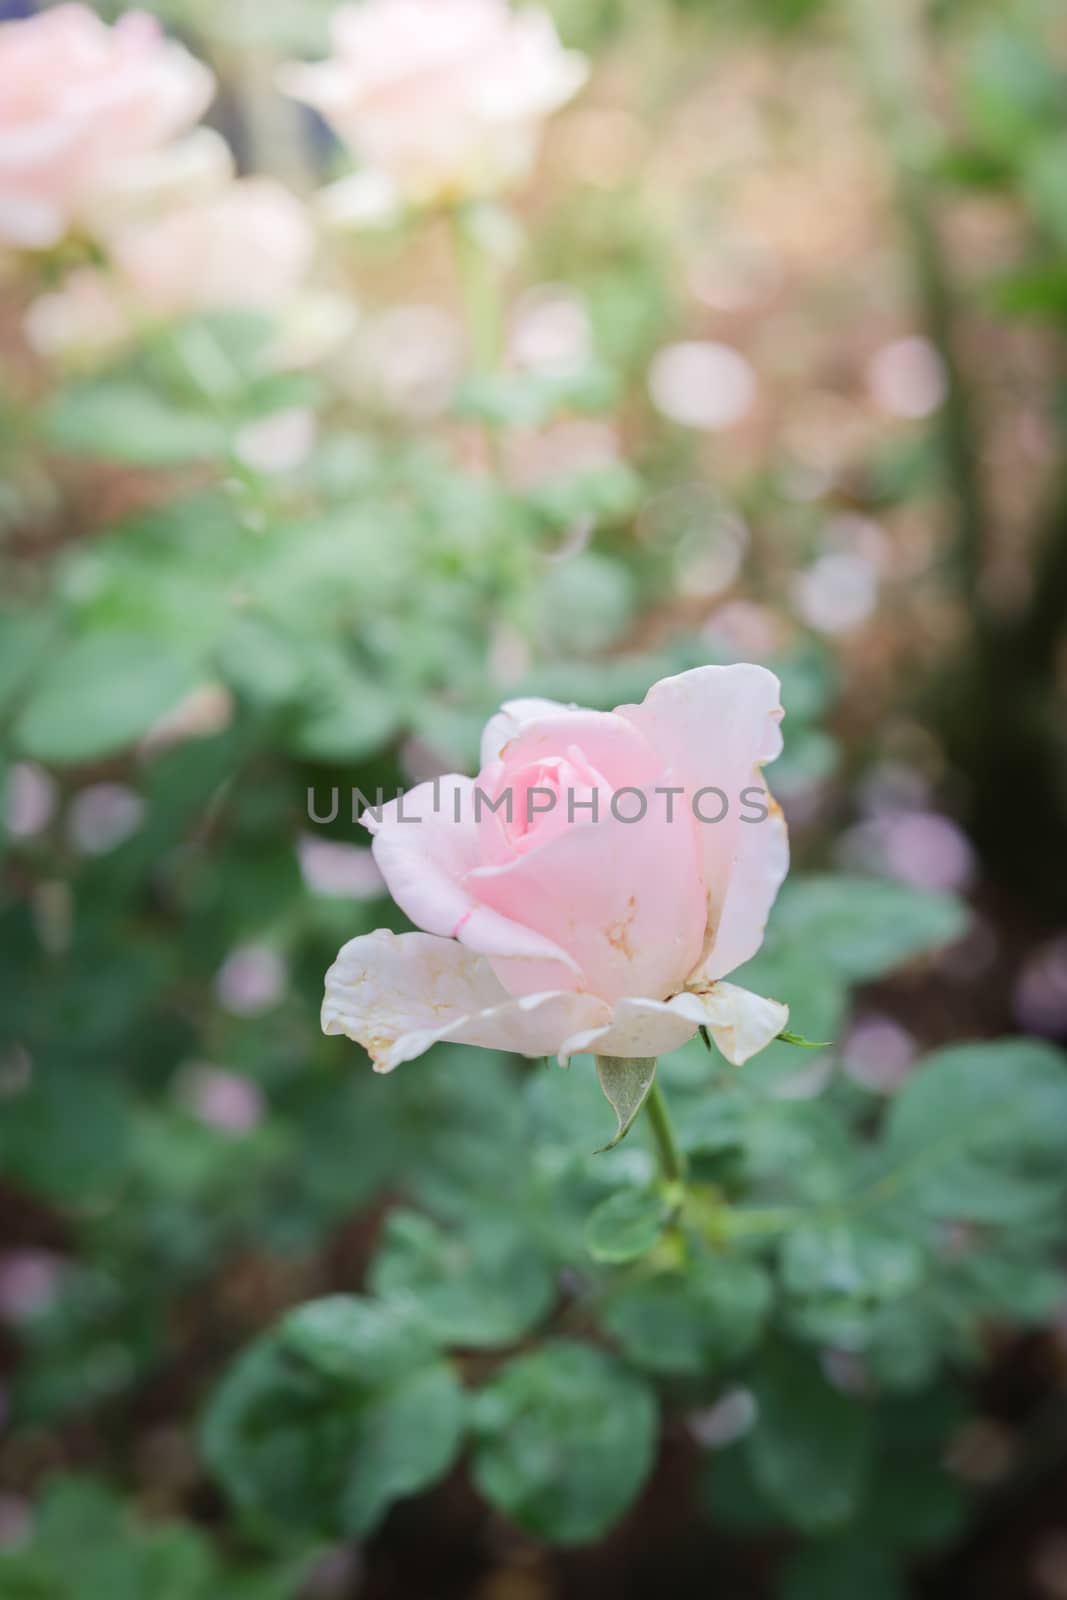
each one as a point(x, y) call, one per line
point(572, 898)
point(442, 98)
point(79, 99)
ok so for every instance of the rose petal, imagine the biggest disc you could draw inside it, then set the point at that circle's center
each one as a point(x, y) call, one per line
point(760, 866)
point(611, 744)
point(637, 1028)
point(397, 994)
point(507, 722)
point(740, 1022)
point(425, 854)
point(623, 899)
point(711, 728)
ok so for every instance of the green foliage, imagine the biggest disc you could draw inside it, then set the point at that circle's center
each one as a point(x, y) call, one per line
point(99, 695)
point(810, 1449)
point(482, 1286)
point(565, 1439)
point(321, 1426)
point(85, 1546)
point(694, 1319)
point(626, 1225)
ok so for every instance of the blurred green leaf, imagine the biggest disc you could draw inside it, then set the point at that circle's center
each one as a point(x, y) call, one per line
point(979, 1132)
point(862, 927)
point(122, 420)
point(66, 1134)
point(565, 1439)
point(482, 1285)
point(626, 1225)
point(693, 1320)
point(84, 1545)
point(322, 1425)
point(810, 1448)
point(100, 693)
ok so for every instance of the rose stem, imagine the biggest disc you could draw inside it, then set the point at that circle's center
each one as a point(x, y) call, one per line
point(671, 1159)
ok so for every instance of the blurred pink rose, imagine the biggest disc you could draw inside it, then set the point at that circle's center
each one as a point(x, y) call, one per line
point(249, 245)
point(442, 97)
point(77, 99)
point(630, 863)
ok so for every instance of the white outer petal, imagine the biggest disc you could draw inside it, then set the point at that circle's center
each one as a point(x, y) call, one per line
point(741, 1024)
point(397, 994)
point(637, 1028)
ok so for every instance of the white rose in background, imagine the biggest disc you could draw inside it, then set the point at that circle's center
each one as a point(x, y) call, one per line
point(78, 99)
point(440, 99)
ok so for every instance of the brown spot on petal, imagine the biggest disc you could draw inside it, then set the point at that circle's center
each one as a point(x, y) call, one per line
point(618, 933)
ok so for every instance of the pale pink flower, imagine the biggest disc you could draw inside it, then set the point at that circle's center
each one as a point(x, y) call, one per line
point(557, 923)
point(249, 245)
point(444, 98)
point(77, 100)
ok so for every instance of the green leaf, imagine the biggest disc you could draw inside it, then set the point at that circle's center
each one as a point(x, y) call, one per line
point(346, 714)
point(85, 1545)
point(863, 927)
point(626, 1225)
point(627, 1082)
point(979, 1132)
point(408, 1440)
point(66, 1134)
point(692, 1321)
point(850, 1258)
point(732, 1497)
point(352, 1339)
point(481, 1286)
point(787, 1037)
point(23, 643)
point(566, 1439)
point(810, 1450)
point(322, 1424)
point(122, 420)
point(99, 694)
point(1045, 182)
point(1013, 89)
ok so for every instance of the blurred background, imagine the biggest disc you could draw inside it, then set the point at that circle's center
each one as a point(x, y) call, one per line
point(754, 351)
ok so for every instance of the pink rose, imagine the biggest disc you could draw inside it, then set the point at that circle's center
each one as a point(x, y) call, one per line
point(77, 99)
point(249, 245)
point(588, 891)
point(442, 97)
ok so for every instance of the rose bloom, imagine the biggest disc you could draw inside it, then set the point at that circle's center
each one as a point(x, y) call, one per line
point(444, 98)
point(557, 930)
point(77, 99)
point(249, 245)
